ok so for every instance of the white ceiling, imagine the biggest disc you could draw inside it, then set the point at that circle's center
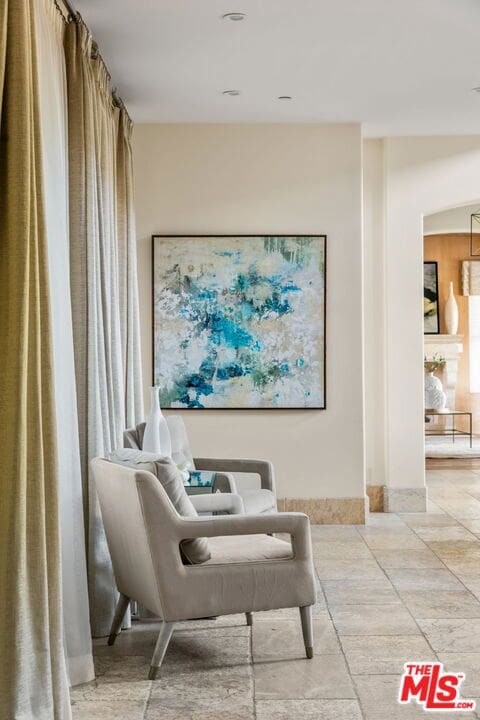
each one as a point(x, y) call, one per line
point(401, 68)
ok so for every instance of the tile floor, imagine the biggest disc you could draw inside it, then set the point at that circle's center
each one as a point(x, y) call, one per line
point(404, 587)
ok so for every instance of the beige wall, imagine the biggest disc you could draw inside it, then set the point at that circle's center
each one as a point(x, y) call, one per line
point(193, 179)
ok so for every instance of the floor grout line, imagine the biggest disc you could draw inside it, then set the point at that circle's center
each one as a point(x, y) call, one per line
point(341, 648)
point(252, 672)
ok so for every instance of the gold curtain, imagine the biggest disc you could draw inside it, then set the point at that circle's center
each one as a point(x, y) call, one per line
point(103, 288)
point(33, 679)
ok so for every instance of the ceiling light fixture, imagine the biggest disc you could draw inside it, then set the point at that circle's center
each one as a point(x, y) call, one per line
point(284, 97)
point(231, 93)
point(234, 16)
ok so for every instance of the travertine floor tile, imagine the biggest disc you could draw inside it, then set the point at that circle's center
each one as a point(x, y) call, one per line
point(282, 639)
point(452, 635)
point(472, 583)
point(459, 550)
point(373, 620)
point(428, 579)
point(468, 663)
point(384, 520)
point(337, 549)
point(349, 569)
point(381, 655)
point(324, 676)
point(440, 604)
point(185, 680)
point(117, 678)
point(445, 534)
point(424, 521)
point(108, 710)
point(421, 558)
point(208, 649)
point(391, 539)
point(472, 525)
point(339, 533)
point(353, 592)
point(308, 710)
point(187, 708)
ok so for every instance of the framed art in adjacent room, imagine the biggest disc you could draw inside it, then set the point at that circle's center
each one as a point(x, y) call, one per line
point(431, 314)
point(475, 234)
point(239, 321)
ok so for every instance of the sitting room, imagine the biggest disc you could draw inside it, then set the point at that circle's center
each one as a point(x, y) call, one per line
point(240, 360)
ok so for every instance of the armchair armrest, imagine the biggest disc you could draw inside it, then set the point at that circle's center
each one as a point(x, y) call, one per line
point(224, 482)
point(227, 502)
point(297, 525)
point(263, 468)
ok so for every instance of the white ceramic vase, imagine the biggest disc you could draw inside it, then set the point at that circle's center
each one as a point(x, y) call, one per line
point(435, 398)
point(156, 438)
point(451, 313)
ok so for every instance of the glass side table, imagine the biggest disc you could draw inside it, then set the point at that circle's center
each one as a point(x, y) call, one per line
point(201, 482)
point(453, 430)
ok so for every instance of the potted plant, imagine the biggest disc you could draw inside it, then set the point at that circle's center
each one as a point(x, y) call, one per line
point(435, 398)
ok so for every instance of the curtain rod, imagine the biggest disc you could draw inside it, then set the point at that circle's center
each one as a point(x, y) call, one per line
point(73, 14)
point(69, 8)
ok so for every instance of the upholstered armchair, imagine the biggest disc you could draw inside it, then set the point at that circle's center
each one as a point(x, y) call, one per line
point(248, 570)
point(253, 500)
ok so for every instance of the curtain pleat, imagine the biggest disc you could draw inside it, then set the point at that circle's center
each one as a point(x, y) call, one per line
point(53, 120)
point(98, 265)
point(127, 264)
point(33, 677)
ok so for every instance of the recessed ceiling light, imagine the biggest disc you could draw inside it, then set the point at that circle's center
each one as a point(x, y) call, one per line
point(231, 93)
point(234, 16)
point(284, 97)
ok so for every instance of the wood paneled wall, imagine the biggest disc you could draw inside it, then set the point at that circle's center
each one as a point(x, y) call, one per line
point(449, 250)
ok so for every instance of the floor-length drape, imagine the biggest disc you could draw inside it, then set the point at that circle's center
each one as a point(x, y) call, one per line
point(33, 677)
point(127, 265)
point(103, 287)
point(53, 121)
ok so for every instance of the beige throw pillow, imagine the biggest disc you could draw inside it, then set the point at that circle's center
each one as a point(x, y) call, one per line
point(194, 551)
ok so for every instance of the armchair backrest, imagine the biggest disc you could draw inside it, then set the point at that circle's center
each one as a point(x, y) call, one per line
point(181, 453)
point(133, 437)
point(130, 541)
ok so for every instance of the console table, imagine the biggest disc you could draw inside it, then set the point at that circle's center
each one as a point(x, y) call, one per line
point(453, 430)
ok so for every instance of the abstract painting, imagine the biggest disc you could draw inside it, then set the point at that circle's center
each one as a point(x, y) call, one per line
point(239, 321)
point(431, 315)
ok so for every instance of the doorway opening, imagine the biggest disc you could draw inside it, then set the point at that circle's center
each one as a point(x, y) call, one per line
point(451, 241)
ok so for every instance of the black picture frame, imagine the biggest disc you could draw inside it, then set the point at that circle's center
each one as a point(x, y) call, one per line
point(431, 296)
point(474, 218)
point(159, 236)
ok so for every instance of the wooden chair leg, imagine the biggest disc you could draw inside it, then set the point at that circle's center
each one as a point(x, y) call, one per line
point(249, 617)
point(121, 609)
point(163, 639)
point(307, 629)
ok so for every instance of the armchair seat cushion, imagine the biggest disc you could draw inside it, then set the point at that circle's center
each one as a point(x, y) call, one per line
point(257, 502)
point(247, 548)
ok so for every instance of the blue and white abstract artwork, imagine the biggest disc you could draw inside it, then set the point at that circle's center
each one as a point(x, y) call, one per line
point(239, 321)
